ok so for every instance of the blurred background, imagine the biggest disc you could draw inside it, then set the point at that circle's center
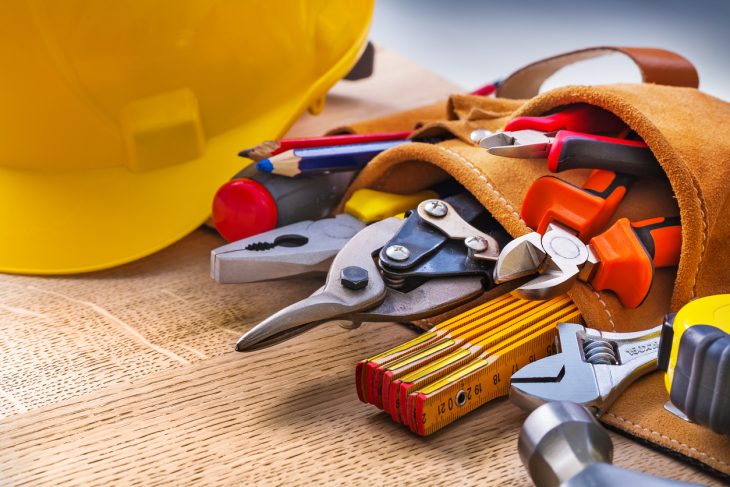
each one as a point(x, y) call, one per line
point(473, 42)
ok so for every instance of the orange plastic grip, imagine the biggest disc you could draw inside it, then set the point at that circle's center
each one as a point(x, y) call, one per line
point(662, 237)
point(586, 210)
point(628, 254)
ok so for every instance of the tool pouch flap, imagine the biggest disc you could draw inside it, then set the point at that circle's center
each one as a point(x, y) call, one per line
point(689, 133)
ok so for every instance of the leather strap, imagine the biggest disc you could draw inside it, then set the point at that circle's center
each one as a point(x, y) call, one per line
point(656, 66)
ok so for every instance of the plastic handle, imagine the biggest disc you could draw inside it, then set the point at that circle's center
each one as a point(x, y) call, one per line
point(586, 210)
point(694, 350)
point(574, 150)
point(701, 385)
point(578, 118)
point(629, 253)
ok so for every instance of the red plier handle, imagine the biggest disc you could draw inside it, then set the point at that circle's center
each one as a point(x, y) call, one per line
point(579, 117)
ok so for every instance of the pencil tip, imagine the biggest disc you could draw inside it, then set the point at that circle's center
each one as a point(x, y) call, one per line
point(265, 166)
point(245, 152)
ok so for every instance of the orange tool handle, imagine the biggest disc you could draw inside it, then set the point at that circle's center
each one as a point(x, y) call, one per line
point(586, 210)
point(629, 253)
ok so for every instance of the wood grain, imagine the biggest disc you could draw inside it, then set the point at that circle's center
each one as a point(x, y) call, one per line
point(127, 376)
point(283, 415)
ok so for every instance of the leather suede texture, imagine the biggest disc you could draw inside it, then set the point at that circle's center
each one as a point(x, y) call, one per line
point(689, 133)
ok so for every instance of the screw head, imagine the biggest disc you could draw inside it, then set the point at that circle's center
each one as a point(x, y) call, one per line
point(477, 135)
point(354, 277)
point(476, 243)
point(436, 208)
point(398, 253)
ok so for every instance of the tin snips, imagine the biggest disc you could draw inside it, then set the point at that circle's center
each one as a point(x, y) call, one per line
point(441, 256)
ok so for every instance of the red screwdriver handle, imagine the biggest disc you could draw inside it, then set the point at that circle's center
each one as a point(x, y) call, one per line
point(580, 117)
point(629, 252)
point(586, 210)
point(574, 150)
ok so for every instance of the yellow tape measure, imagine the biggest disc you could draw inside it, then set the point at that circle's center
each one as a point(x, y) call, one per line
point(462, 363)
point(694, 350)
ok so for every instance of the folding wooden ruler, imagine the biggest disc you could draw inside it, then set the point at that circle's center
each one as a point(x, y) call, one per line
point(461, 363)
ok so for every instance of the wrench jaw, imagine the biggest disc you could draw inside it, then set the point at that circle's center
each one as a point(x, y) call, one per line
point(560, 377)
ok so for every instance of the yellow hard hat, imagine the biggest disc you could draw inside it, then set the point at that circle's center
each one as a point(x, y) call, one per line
point(119, 120)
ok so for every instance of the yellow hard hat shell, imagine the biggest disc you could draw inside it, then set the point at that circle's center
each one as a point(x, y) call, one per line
point(120, 120)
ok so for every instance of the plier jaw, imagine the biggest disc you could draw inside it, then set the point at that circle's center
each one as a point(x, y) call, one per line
point(556, 257)
point(298, 249)
point(524, 144)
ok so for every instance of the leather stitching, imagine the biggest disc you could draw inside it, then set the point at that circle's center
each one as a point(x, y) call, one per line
point(486, 181)
point(679, 444)
point(605, 308)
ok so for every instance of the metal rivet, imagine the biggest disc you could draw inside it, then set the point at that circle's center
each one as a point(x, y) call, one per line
point(398, 252)
point(477, 135)
point(436, 208)
point(476, 243)
point(354, 277)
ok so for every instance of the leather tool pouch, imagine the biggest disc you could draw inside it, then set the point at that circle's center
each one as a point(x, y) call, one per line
point(688, 132)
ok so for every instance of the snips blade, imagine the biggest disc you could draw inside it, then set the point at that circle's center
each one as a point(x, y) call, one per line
point(334, 300)
point(301, 248)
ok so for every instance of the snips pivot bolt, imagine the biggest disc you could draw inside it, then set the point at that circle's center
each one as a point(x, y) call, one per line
point(476, 243)
point(398, 252)
point(436, 208)
point(354, 277)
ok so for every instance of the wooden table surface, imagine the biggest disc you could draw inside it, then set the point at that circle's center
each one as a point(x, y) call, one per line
point(129, 376)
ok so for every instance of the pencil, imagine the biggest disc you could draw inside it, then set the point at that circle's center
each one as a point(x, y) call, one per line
point(351, 157)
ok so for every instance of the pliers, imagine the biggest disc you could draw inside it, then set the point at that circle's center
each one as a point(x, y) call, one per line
point(567, 219)
point(396, 270)
point(298, 249)
point(307, 247)
point(569, 140)
point(621, 259)
point(592, 369)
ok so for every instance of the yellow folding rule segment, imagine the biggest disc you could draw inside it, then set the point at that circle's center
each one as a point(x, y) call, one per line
point(461, 363)
point(545, 316)
point(480, 381)
point(490, 326)
point(370, 371)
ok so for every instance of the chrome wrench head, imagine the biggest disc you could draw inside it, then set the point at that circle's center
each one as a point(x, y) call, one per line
point(592, 369)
